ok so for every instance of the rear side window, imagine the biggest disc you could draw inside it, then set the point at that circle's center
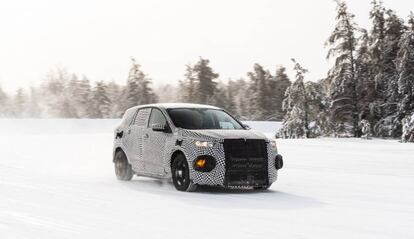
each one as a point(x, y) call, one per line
point(142, 117)
point(157, 118)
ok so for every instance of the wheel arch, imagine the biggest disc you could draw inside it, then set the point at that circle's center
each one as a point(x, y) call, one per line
point(174, 154)
point(117, 149)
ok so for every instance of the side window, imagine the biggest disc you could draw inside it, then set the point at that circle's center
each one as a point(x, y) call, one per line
point(157, 118)
point(142, 117)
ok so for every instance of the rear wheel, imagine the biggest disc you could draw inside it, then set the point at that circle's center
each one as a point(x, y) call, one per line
point(181, 174)
point(123, 169)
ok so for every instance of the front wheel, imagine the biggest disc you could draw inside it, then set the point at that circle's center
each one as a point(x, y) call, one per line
point(181, 174)
point(123, 169)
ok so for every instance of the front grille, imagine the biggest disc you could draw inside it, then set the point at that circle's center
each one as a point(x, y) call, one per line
point(246, 162)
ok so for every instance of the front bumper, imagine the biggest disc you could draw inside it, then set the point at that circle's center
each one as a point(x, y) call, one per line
point(220, 175)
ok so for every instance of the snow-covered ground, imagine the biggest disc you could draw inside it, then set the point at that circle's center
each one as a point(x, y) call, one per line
point(57, 181)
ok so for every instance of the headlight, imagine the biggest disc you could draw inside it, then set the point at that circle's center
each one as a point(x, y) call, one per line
point(203, 144)
point(273, 144)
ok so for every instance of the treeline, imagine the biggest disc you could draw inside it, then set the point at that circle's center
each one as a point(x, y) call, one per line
point(259, 97)
point(66, 95)
point(370, 88)
point(369, 91)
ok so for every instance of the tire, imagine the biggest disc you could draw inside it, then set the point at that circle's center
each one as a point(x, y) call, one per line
point(123, 169)
point(181, 174)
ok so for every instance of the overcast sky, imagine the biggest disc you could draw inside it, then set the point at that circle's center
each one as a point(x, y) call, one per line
point(97, 38)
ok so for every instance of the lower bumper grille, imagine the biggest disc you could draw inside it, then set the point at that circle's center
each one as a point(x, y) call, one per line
point(246, 162)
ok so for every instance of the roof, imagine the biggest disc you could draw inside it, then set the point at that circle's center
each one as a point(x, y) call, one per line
point(177, 105)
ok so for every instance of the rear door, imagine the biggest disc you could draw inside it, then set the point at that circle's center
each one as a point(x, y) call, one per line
point(134, 139)
point(154, 143)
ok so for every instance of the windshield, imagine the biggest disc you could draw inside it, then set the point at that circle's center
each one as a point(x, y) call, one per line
point(192, 118)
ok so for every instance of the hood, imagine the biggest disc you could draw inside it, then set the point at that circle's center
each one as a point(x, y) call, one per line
point(218, 134)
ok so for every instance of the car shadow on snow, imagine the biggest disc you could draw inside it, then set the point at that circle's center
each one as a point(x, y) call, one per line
point(215, 197)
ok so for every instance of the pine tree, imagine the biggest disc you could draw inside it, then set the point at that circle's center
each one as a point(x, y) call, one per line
point(240, 90)
point(259, 93)
point(114, 92)
point(390, 123)
point(68, 107)
point(138, 90)
point(53, 93)
point(343, 90)
point(296, 121)
point(230, 103)
point(405, 72)
point(317, 107)
point(19, 104)
point(34, 109)
point(188, 85)
point(100, 101)
point(205, 84)
point(366, 87)
point(83, 98)
point(4, 104)
point(277, 87)
point(394, 28)
point(377, 35)
point(407, 129)
point(220, 97)
point(365, 129)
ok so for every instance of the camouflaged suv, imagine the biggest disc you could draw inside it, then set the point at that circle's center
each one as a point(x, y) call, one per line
point(194, 145)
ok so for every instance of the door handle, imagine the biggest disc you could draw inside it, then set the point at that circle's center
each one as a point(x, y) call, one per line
point(146, 136)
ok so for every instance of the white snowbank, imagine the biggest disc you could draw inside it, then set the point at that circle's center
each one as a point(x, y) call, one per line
point(57, 181)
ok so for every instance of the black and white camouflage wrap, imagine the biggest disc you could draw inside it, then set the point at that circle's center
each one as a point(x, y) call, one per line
point(155, 159)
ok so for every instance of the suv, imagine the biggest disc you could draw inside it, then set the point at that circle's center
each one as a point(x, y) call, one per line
point(194, 145)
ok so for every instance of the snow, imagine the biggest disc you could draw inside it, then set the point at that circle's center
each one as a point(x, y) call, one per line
point(57, 181)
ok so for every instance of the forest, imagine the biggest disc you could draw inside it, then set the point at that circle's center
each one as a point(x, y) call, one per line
point(368, 92)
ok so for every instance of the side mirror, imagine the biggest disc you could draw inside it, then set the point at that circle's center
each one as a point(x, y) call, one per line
point(159, 127)
point(246, 126)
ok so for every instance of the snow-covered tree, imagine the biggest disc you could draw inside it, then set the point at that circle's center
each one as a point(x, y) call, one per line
point(405, 72)
point(408, 129)
point(5, 110)
point(83, 98)
point(317, 108)
point(258, 93)
point(100, 101)
point(366, 91)
point(205, 81)
point(230, 99)
point(296, 121)
point(390, 123)
point(188, 85)
point(114, 92)
point(34, 109)
point(199, 85)
point(239, 89)
point(138, 89)
point(343, 91)
point(219, 98)
point(277, 87)
point(365, 129)
point(19, 104)
point(168, 93)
